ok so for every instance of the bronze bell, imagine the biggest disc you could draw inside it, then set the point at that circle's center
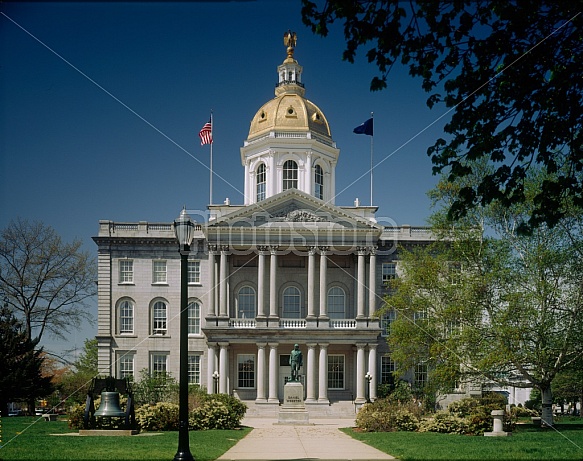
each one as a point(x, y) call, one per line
point(109, 405)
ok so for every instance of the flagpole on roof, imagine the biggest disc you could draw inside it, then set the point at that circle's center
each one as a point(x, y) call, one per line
point(371, 162)
point(211, 165)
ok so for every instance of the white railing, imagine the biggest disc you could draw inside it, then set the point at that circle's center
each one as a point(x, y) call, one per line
point(342, 323)
point(292, 323)
point(242, 323)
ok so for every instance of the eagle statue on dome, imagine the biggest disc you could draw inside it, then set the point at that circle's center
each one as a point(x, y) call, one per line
point(290, 39)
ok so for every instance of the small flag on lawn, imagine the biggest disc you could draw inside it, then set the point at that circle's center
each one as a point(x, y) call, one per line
point(365, 128)
point(206, 134)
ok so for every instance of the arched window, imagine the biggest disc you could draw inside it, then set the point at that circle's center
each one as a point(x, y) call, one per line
point(260, 177)
point(126, 317)
point(193, 318)
point(246, 303)
point(319, 182)
point(159, 318)
point(291, 303)
point(290, 175)
point(336, 303)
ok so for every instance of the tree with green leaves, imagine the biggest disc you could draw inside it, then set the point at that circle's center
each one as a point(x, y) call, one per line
point(509, 74)
point(75, 382)
point(21, 363)
point(47, 282)
point(487, 303)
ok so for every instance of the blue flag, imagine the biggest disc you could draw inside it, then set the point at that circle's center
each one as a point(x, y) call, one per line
point(365, 128)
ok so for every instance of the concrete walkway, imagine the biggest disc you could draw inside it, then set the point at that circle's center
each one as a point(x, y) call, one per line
point(319, 441)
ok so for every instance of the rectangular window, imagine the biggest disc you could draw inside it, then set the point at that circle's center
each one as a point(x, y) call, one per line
point(194, 318)
point(246, 371)
point(159, 364)
point(159, 272)
point(387, 370)
point(335, 372)
point(126, 317)
point(389, 272)
point(420, 375)
point(159, 318)
point(193, 271)
point(126, 365)
point(126, 271)
point(194, 369)
point(386, 320)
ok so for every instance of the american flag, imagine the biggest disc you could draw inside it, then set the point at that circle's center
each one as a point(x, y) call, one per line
point(206, 134)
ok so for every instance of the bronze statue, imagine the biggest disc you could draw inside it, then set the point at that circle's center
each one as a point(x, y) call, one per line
point(295, 361)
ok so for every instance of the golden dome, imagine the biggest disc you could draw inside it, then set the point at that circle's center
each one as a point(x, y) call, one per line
point(289, 112)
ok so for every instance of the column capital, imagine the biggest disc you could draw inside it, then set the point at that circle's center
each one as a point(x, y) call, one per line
point(373, 250)
point(361, 345)
point(212, 248)
point(362, 251)
point(311, 345)
point(261, 345)
point(224, 248)
point(372, 347)
point(323, 345)
point(273, 249)
point(323, 249)
point(312, 250)
point(262, 249)
point(224, 344)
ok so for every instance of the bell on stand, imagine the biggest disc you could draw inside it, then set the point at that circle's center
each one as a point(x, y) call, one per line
point(109, 407)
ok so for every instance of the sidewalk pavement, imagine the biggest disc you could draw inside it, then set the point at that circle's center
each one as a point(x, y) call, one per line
point(321, 440)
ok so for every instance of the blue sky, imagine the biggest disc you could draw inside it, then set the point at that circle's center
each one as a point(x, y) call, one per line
point(101, 104)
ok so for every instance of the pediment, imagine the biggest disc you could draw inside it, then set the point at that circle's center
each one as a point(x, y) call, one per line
point(295, 209)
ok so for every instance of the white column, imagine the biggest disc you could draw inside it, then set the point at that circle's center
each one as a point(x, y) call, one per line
point(273, 374)
point(311, 271)
point(272, 284)
point(223, 284)
point(260, 284)
point(372, 298)
point(210, 368)
point(323, 283)
point(311, 373)
point(261, 373)
point(211, 289)
point(360, 284)
point(360, 397)
point(323, 374)
point(372, 369)
point(223, 368)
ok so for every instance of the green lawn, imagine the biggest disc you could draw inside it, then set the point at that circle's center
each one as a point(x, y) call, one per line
point(526, 443)
point(31, 439)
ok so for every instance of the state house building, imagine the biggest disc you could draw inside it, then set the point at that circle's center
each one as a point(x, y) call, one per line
point(288, 266)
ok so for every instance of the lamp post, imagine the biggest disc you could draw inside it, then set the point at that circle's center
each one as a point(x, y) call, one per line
point(216, 382)
point(368, 378)
point(184, 231)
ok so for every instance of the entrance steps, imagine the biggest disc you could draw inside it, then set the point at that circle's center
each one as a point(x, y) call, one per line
point(338, 409)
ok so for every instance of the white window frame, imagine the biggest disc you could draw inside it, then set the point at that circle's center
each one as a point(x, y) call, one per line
point(126, 271)
point(331, 304)
point(194, 309)
point(125, 320)
point(261, 183)
point(159, 322)
point(387, 370)
point(290, 175)
point(388, 272)
point(285, 306)
point(251, 295)
point(319, 182)
point(158, 363)
point(386, 320)
point(246, 378)
point(124, 359)
point(194, 272)
point(333, 359)
point(193, 369)
point(159, 272)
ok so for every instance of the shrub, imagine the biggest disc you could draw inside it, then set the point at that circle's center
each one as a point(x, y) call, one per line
point(217, 411)
point(477, 412)
point(444, 422)
point(385, 415)
point(75, 416)
point(162, 416)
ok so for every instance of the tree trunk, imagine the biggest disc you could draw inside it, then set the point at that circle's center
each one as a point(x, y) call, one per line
point(547, 404)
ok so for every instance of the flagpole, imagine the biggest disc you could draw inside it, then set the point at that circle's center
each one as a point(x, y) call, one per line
point(211, 165)
point(371, 162)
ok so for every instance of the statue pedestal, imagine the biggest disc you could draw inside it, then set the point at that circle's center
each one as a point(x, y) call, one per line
point(293, 411)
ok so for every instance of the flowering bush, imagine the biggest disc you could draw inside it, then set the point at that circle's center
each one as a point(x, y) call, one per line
point(385, 415)
point(162, 416)
point(75, 416)
point(444, 422)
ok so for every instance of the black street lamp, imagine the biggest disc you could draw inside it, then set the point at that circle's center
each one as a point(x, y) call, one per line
point(368, 378)
point(184, 231)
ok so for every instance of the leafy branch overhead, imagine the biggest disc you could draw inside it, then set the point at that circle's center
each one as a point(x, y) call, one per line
point(511, 71)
